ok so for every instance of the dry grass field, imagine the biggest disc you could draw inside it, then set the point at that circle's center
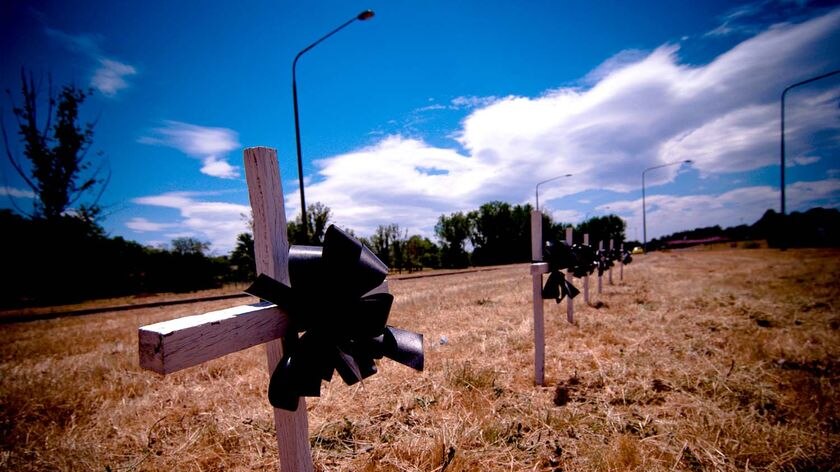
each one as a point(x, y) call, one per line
point(705, 360)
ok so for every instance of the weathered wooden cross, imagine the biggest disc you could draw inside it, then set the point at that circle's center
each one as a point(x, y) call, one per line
point(586, 277)
point(538, 268)
point(184, 342)
point(570, 303)
point(600, 283)
point(621, 270)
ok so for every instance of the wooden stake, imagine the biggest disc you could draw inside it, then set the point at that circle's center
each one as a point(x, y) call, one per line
point(621, 270)
point(271, 250)
point(600, 275)
point(570, 304)
point(586, 277)
point(538, 268)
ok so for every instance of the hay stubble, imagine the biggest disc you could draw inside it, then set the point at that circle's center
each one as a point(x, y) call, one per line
point(703, 360)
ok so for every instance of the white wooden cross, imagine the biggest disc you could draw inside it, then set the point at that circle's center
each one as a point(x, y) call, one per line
point(586, 277)
point(612, 247)
point(538, 268)
point(600, 284)
point(184, 342)
point(621, 270)
point(570, 304)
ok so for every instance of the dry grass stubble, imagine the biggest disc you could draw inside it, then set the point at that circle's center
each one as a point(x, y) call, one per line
point(721, 360)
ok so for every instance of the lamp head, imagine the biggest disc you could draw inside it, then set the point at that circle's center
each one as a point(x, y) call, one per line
point(687, 161)
point(365, 15)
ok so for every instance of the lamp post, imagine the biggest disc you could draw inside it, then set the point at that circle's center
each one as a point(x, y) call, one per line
point(365, 15)
point(537, 190)
point(644, 208)
point(784, 92)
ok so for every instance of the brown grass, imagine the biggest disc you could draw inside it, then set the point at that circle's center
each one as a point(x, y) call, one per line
point(705, 360)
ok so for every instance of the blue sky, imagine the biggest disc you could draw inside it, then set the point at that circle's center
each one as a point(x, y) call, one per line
point(432, 107)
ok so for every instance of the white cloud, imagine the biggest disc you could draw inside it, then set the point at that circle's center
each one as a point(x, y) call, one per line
point(472, 102)
point(142, 225)
point(109, 78)
point(206, 143)
point(16, 192)
point(214, 221)
point(565, 216)
point(644, 110)
point(804, 160)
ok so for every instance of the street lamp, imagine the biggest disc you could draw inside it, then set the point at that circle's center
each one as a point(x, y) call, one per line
point(537, 190)
point(784, 92)
point(365, 15)
point(644, 208)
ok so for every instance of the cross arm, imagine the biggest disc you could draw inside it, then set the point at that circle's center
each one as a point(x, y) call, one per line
point(170, 346)
point(173, 345)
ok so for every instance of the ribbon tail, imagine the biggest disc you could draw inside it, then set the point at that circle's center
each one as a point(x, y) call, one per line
point(405, 347)
point(280, 392)
point(552, 287)
point(347, 367)
point(570, 289)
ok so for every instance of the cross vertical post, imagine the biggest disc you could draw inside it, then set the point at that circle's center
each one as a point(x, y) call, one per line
point(621, 269)
point(570, 304)
point(586, 277)
point(612, 247)
point(271, 252)
point(538, 268)
point(600, 283)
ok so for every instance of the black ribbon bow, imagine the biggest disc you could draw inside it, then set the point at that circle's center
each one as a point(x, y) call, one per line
point(585, 260)
point(605, 260)
point(626, 258)
point(559, 256)
point(344, 326)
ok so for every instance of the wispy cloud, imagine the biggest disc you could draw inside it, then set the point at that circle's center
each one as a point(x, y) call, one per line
point(750, 18)
point(472, 102)
point(142, 225)
point(16, 192)
point(643, 110)
point(109, 75)
point(214, 221)
point(206, 143)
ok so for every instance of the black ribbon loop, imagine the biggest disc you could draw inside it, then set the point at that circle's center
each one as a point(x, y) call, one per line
point(559, 256)
point(344, 326)
point(605, 260)
point(557, 287)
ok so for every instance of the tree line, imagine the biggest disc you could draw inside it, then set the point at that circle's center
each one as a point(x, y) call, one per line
point(495, 233)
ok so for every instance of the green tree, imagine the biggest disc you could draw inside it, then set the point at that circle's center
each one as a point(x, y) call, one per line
point(318, 216)
point(500, 233)
point(189, 245)
point(602, 228)
point(56, 149)
point(387, 243)
point(454, 231)
point(242, 259)
point(421, 252)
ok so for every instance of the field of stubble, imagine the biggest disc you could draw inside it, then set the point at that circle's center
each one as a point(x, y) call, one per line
point(707, 360)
